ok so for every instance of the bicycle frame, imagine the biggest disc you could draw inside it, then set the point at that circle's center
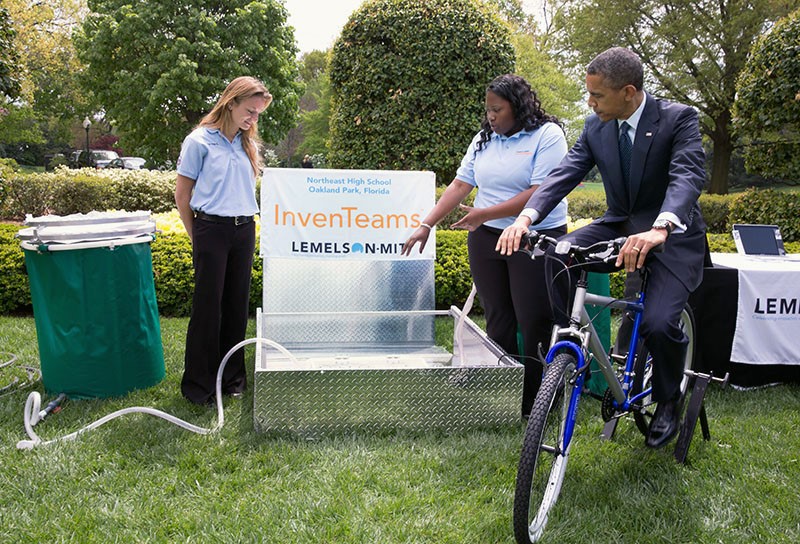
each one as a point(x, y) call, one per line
point(581, 338)
point(551, 424)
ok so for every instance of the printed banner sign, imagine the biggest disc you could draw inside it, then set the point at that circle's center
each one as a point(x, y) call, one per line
point(344, 214)
point(768, 315)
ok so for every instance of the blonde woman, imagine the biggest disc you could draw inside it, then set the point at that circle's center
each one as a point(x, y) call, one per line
point(215, 196)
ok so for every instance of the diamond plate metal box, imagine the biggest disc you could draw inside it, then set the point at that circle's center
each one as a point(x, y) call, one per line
point(313, 393)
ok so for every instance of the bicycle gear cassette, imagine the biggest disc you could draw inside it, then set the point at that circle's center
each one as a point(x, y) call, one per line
point(608, 410)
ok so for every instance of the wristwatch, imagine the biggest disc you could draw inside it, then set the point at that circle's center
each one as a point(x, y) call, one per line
point(663, 224)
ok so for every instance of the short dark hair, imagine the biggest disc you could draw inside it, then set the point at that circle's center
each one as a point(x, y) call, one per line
point(618, 67)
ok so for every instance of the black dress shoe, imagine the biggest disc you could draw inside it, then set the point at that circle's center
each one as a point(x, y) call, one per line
point(664, 425)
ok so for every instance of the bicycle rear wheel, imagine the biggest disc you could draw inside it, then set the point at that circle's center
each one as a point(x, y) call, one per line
point(544, 455)
point(643, 373)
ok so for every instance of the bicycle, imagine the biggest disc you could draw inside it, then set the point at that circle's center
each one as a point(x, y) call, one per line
point(551, 425)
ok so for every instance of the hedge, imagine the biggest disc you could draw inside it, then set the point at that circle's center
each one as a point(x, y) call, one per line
point(173, 275)
point(15, 291)
point(768, 207)
point(84, 190)
point(66, 191)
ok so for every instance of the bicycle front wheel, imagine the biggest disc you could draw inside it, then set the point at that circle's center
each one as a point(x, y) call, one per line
point(543, 460)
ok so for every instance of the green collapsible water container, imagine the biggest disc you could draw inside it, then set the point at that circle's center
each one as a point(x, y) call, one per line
point(94, 302)
point(599, 284)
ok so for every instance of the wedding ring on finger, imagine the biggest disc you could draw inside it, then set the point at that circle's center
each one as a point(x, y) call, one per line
point(636, 249)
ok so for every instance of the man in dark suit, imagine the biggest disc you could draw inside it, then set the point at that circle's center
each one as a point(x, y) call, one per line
point(650, 156)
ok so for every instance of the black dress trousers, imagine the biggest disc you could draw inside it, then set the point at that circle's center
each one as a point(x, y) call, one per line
point(222, 254)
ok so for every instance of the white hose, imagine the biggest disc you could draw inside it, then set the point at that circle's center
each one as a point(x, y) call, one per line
point(34, 401)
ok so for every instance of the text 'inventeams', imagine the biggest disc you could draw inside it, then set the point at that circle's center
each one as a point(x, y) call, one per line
point(349, 186)
point(370, 231)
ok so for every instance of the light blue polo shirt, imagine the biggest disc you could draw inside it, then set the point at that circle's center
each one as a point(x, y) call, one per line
point(506, 166)
point(225, 184)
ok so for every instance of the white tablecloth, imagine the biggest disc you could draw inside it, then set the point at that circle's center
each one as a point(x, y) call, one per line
point(768, 311)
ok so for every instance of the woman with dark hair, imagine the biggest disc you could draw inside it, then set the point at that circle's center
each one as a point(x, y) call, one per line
point(215, 196)
point(516, 148)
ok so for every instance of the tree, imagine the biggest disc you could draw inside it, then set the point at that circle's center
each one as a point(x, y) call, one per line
point(559, 94)
point(48, 98)
point(157, 67)
point(315, 106)
point(767, 107)
point(310, 136)
point(316, 121)
point(408, 79)
point(693, 51)
point(9, 59)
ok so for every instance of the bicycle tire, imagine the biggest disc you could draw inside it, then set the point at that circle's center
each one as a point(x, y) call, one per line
point(643, 372)
point(541, 468)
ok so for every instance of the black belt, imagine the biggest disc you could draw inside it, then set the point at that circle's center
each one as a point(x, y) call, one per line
point(238, 220)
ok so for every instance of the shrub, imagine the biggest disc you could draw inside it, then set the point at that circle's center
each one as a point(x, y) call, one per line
point(456, 214)
point(721, 243)
point(14, 287)
point(173, 274)
point(398, 58)
point(26, 194)
point(767, 106)
point(81, 194)
point(145, 190)
point(7, 169)
point(768, 207)
point(66, 191)
point(257, 283)
point(616, 283)
point(451, 270)
point(586, 205)
point(715, 209)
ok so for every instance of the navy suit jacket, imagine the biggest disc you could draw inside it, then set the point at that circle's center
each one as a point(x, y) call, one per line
point(667, 175)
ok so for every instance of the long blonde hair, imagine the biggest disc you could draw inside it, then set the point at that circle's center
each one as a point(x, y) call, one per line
point(219, 117)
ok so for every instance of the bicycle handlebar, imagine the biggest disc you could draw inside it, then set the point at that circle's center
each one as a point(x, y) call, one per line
point(603, 251)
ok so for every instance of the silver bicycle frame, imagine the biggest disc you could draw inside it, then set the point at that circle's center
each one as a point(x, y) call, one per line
point(590, 341)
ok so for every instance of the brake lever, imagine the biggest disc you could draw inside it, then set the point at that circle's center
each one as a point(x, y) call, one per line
point(529, 244)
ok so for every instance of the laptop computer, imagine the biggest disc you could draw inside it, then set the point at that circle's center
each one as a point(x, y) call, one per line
point(758, 240)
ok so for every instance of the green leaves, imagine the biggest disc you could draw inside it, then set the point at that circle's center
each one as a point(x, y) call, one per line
point(157, 67)
point(408, 80)
point(9, 58)
point(767, 107)
point(692, 50)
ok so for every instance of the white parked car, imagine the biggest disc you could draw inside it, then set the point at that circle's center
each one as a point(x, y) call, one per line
point(128, 163)
point(98, 158)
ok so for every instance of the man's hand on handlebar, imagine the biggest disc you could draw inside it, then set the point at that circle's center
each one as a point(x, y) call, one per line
point(637, 246)
point(509, 240)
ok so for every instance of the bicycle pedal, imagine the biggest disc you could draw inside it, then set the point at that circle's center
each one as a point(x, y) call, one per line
point(618, 357)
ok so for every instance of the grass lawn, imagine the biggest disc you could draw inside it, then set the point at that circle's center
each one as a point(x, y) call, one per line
point(140, 479)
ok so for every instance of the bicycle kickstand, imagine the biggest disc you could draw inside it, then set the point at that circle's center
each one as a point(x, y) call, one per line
point(695, 410)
